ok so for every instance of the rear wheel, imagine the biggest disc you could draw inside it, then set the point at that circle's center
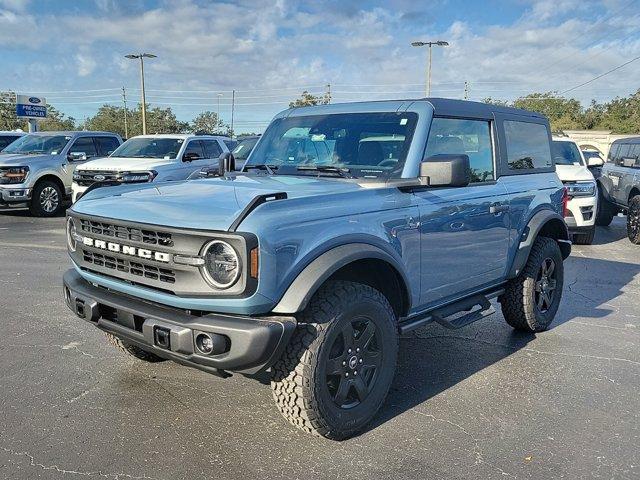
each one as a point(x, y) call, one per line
point(338, 367)
point(605, 210)
point(132, 350)
point(531, 300)
point(46, 199)
point(633, 220)
point(584, 238)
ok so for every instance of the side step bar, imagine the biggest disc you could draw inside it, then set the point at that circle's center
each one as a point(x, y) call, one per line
point(441, 315)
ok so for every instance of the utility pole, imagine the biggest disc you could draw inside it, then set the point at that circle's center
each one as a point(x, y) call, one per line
point(328, 94)
point(466, 90)
point(233, 106)
point(218, 123)
point(124, 101)
point(142, 56)
point(438, 43)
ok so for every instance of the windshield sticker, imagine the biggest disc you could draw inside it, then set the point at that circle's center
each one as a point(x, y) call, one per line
point(403, 121)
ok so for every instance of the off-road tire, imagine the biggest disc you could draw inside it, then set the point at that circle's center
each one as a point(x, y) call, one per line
point(518, 301)
point(35, 207)
point(132, 350)
point(605, 211)
point(298, 382)
point(633, 220)
point(584, 238)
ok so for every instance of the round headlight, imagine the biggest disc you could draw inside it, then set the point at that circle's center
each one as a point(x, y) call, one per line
point(222, 264)
point(71, 234)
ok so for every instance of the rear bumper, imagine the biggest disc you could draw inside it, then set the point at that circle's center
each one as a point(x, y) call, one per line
point(253, 344)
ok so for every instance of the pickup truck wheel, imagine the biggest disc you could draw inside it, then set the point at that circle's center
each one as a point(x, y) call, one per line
point(132, 350)
point(337, 369)
point(633, 220)
point(605, 211)
point(46, 199)
point(531, 300)
point(585, 238)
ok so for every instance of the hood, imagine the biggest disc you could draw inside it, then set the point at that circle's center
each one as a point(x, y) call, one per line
point(121, 164)
point(573, 173)
point(206, 204)
point(18, 160)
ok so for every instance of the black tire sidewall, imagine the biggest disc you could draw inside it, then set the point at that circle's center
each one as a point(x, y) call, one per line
point(544, 319)
point(633, 214)
point(352, 419)
point(35, 208)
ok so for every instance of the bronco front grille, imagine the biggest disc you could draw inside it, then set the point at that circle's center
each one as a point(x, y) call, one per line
point(129, 266)
point(133, 234)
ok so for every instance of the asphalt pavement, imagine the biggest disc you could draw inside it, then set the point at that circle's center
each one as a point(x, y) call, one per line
point(482, 402)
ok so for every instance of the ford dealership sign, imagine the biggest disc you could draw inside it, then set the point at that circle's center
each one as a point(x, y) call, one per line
point(30, 107)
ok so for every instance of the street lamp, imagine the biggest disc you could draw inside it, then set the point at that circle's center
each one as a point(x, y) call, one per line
point(142, 56)
point(438, 43)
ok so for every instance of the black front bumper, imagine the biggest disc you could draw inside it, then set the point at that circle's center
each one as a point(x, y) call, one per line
point(253, 343)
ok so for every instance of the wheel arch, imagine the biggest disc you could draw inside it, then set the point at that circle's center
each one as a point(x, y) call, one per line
point(359, 262)
point(52, 178)
point(635, 190)
point(545, 223)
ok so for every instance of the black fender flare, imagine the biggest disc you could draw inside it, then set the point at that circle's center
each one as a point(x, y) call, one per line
point(531, 232)
point(309, 280)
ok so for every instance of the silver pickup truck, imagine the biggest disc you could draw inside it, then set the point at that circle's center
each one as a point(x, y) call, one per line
point(619, 186)
point(36, 171)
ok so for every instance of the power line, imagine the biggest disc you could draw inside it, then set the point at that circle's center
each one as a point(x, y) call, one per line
point(600, 76)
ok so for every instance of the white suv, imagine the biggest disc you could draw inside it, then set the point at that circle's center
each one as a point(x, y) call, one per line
point(150, 158)
point(571, 168)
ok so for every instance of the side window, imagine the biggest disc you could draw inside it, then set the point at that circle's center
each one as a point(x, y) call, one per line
point(527, 145)
point(193, 148)
point(106, 145)
point(231, 144)
point(622, 154)
point(464, 137)
point(635, 153)
point(86, 145)
point(211, 149)
point(613, 153)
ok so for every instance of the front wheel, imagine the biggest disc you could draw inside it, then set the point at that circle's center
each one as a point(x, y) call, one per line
point(46, 199)
point(337, 369)
point(531, 300)
point(633, 220)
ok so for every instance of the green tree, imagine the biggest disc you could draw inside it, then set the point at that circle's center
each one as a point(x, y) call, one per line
point(56, 120)
point(307, 99)
point(563, 113)
point(210, 123)
point(110, 118)
point(621, 115)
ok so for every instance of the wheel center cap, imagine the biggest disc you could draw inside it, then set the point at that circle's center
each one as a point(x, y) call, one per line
point(353, 362)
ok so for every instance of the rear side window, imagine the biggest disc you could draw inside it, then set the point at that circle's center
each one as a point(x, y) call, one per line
point(453, 136)
point(527, 145)
point(194, 147)
point(613, 153)
point(107, 145)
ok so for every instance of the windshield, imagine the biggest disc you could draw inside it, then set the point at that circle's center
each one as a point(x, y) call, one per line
point(244, 147)
point(369, 145)
point(165, 148)
point(38, 144)
point(566, 153)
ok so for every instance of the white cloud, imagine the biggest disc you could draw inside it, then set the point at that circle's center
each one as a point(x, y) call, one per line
point(86, 64)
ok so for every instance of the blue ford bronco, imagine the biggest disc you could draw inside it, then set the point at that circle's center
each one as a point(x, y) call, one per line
point(347, 226)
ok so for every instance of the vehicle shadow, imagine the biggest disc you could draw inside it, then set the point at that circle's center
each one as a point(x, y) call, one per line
point(614, 232)
point(433, 359)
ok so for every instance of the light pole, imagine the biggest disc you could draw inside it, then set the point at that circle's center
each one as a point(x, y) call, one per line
point(439, 43)
point(142, 56)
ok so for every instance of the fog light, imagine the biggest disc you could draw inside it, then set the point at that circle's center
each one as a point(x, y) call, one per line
point(204, 344)
point(211, 343)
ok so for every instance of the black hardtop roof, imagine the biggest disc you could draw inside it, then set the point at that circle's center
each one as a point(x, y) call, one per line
point(634, 140)
point(449, 106)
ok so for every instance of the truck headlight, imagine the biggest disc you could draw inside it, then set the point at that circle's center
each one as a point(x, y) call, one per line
point(10, 175)
point(72, 235)
point(581, 189)
point(221, 264)
point(138, 177)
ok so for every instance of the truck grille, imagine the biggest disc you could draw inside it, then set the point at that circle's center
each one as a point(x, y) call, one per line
point(87, 178)
point(149, 237)
point(128, 266)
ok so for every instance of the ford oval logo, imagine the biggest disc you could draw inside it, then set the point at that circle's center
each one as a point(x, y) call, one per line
point(99, 178)
point(34, 100)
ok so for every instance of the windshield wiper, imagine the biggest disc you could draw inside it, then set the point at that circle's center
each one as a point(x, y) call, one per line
point(270, 169)
point(340, 171)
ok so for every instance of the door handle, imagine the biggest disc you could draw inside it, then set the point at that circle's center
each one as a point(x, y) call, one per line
point(498, 208)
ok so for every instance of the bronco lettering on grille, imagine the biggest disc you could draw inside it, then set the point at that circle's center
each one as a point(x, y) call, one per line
point(127, 250)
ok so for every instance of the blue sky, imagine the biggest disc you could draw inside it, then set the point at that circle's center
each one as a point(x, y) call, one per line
point(269, 51)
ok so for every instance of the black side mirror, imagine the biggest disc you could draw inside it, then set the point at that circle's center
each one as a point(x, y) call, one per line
point(190, 157)
point(445, 171)
point(226, 163)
